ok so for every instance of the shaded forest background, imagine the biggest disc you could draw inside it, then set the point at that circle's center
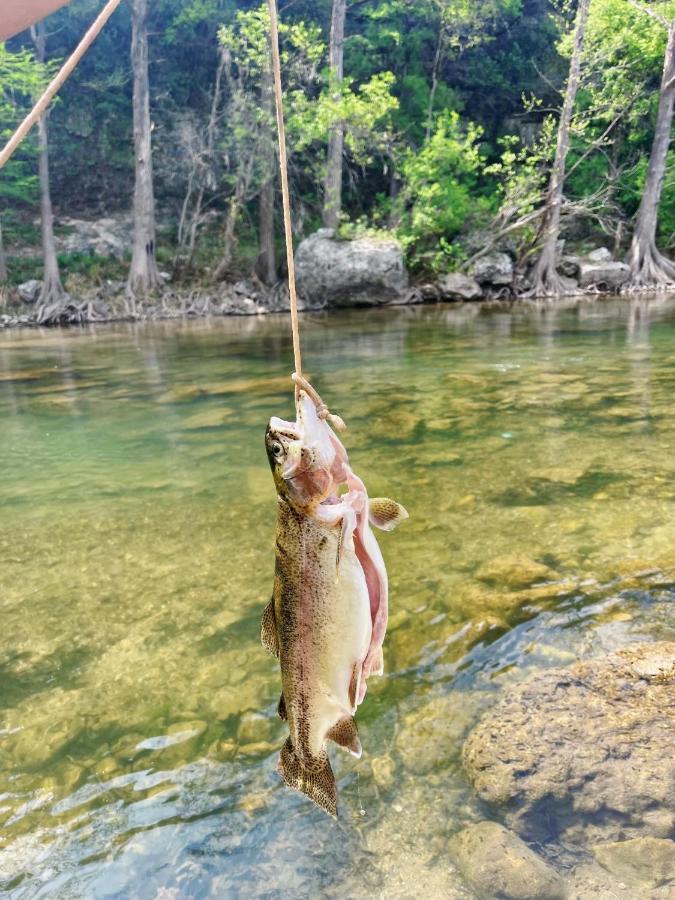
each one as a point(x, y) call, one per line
point(436, 120)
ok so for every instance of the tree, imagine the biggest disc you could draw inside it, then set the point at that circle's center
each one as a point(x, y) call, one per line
point(266, 263)
point(332, 195)
point(143, 272)
point(21, 77)
point(648, 267)
point(545, 279)
point(52, 291)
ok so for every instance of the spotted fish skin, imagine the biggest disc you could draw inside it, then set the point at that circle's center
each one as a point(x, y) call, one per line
point(325, 604)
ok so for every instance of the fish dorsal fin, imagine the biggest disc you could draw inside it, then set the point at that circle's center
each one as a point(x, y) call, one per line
point(345, 735)
point(385, 513)
point(314, 778)
point(268, 629)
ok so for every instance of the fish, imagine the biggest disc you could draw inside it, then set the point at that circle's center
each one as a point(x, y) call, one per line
point(327, 618)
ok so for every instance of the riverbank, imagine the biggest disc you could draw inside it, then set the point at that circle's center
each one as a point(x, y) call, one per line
point(111, 303)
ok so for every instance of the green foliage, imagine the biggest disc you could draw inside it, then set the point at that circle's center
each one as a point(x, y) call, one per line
point(441, 192)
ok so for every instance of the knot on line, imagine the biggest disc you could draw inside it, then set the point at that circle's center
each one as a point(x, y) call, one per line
point(322, 410)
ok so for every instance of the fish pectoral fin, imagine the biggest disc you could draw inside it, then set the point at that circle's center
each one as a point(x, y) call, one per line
point(314, 777)
point(385, 513)
point(281, 708)
point(344, 733)
point(268, 629)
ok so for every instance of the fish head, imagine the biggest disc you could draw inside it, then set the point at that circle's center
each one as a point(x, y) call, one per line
point(301, 456)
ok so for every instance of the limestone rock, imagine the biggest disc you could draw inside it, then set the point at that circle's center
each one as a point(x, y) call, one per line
point(601, 255)
point(29, 291)
point(644, 862)
point(363, 272)
point(514, 571)
point(498, 864)
point(455, 286)
point(583, 754)
point(96, 237)
point(493, 268)
point(608, 275)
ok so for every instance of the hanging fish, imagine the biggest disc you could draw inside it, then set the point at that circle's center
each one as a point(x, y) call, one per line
point(327, 617)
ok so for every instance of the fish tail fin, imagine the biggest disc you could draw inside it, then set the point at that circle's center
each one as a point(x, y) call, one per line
point(344, 733)
point(385, 513)
point(315, 779)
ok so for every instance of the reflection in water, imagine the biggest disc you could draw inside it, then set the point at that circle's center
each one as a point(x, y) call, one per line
point(138, 734)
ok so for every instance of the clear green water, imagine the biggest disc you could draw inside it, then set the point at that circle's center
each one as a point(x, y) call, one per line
point(138, 737)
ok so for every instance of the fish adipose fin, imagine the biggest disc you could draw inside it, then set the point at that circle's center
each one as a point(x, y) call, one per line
point(268, 630)
point(316, 780)
point(345, 735)
point(281, 708)
point(385, 513)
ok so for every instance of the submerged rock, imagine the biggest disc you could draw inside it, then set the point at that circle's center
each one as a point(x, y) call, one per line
point(363, 272)
point(455, 286)
point(498, 864)
point(514, 571)
point(583, 754)
point(643, 862)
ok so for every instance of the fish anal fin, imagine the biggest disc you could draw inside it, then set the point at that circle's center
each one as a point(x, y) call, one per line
point(268, 629)
point(281, 708)
point(345, 735)
point(385, 513)
point(315, 779)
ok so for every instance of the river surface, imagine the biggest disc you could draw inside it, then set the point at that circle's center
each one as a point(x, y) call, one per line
point(533, 448)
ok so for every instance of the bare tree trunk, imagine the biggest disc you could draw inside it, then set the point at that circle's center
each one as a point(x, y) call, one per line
point(52, 289)
point(266, 264)
point(332, 198)
point(230, 236)
point(143, 273)
point(545, 279)
point(3, 259)
point(647, 265)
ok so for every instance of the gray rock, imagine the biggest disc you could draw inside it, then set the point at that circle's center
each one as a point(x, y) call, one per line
point(569, 266)
point(608, 276)
point(493, 268)
point(455, 286)
point(498, 864)
point(583, 754)
point(602, 254)
point(642, 862)
point(29, 291)
point(97, 237)
point(363, 272)
point(569, 286)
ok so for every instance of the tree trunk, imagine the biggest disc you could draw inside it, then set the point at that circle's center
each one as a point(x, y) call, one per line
point(143, 273)
point(230, 236)
point(648, 266)
point(52, 289)
point(545, 279)
point(266, 264)
point(332, 199)
point(3, 259)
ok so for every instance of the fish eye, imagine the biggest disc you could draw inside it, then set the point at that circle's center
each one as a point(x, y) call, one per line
point(277, 449)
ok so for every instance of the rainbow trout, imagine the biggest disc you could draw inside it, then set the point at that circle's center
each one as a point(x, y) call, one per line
point(328, 613)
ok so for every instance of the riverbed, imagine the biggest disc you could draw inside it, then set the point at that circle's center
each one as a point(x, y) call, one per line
point(533, 448)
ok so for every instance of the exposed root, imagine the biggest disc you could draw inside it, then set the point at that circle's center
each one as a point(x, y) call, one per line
point(649, 268)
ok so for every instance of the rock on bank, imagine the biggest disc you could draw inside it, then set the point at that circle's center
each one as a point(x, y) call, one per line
point(367, 271)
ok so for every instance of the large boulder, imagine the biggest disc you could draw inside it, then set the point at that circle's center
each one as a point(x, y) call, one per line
point(606, 276)
point(367, 271)
point(493, 268)
point(597, 269)
point(455, 286)
point(583, 755)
